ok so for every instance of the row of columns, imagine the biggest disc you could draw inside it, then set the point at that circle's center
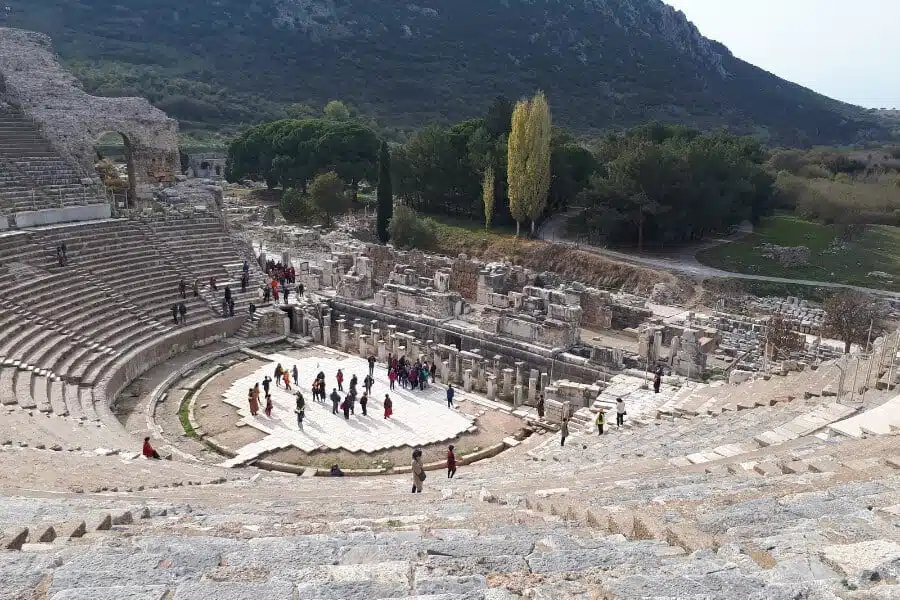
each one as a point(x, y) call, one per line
point(467, 369)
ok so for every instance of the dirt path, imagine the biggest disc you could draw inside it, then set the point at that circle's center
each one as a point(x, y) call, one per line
point(684, 260)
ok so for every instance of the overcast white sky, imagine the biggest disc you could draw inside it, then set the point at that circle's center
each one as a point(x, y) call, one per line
point(846, 49)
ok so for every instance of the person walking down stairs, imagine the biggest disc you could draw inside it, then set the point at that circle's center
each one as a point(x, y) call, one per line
point(563, 432)
point(418, 471)
point(600, 421)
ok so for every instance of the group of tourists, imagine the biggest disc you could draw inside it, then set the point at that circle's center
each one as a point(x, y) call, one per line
point(415, 376)
point(280, 279)
point(599, 420)
point(347, 403)
point(410, 375)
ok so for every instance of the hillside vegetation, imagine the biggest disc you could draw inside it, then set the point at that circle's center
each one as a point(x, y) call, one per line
point(609, 64)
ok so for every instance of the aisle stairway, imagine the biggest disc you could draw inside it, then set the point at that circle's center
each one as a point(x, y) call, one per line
point(33, 176)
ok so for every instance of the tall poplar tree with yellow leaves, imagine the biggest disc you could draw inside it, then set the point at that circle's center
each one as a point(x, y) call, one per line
point(487, 196)
point(528, 172)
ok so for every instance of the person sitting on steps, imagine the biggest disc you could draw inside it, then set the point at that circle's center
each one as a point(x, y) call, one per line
point(148, 450)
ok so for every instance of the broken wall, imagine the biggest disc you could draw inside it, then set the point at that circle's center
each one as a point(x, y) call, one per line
point(73, 121)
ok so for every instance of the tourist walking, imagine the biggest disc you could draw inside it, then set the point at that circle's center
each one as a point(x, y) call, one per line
point(363, 401)
point(268, 409)
point(600, 421)
point(371, 360)
point(450, 393)
point(657, 380)
point(620, 412)
point(451, 462)
point(423, 377)
point(182, 288)
point(340, 380)
point(253, 400)
point(182, 313)
point(300, 410)
point(278, 372)
point(196, 288)
point(540, 406)
point(418, 471)
point(368, 382)
point(300, 291)
point(563, 432)
point(267, 381)
point(388, 407)
point(353, 382)
point(392, 377)
point(287, 380)
point(287, 293)
point(345, 406)
point(335, 400)
point(296, 375)
point(175, 314)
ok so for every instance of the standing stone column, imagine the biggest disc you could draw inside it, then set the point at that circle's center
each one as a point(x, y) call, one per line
point(520, 372)
point(454, 366)
point(507, 383)
point(532, 387)
point(359, 337)
point(545, 380)
point(467, 380)
point(491, 387)
point(382, 352)
point(326, 335)
point(363, 345)
point(518, 396)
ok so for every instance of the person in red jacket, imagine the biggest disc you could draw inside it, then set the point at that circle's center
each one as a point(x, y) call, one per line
point(451, 463)
point(148, 451)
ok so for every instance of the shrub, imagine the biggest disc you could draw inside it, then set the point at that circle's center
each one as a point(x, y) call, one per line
point(814, 172)
point(297, 208)
point(409, 229)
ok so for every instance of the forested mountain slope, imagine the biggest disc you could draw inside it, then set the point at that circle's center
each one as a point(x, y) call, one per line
point(605, 64)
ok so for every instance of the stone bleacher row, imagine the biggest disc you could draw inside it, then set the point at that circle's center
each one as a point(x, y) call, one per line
point(33, 176)
point(827, 519)
point(64, 327)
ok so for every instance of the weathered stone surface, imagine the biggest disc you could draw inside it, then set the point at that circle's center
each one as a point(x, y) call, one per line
point(235, 591)
point(153, 592)
point(874, 560)
point(21, 571)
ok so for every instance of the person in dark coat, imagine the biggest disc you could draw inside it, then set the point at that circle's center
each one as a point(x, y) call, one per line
point(363, 401)
point(335, 400)
point(182, 312)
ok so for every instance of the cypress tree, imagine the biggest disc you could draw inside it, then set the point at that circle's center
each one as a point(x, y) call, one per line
point(385, 194)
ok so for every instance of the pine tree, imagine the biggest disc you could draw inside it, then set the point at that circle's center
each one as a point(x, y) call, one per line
point(487, 195)
point(528, 172)
point(385, 194)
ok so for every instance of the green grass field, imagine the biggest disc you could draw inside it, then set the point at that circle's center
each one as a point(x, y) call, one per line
point(874, 248)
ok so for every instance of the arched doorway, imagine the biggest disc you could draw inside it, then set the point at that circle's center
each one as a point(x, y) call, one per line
point(114, 165)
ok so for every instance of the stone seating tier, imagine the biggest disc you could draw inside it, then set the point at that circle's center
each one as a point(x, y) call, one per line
point(33, 176)
point(753, 533)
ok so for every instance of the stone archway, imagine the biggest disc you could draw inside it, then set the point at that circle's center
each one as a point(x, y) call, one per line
point(115, 166)
point(72, 120)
